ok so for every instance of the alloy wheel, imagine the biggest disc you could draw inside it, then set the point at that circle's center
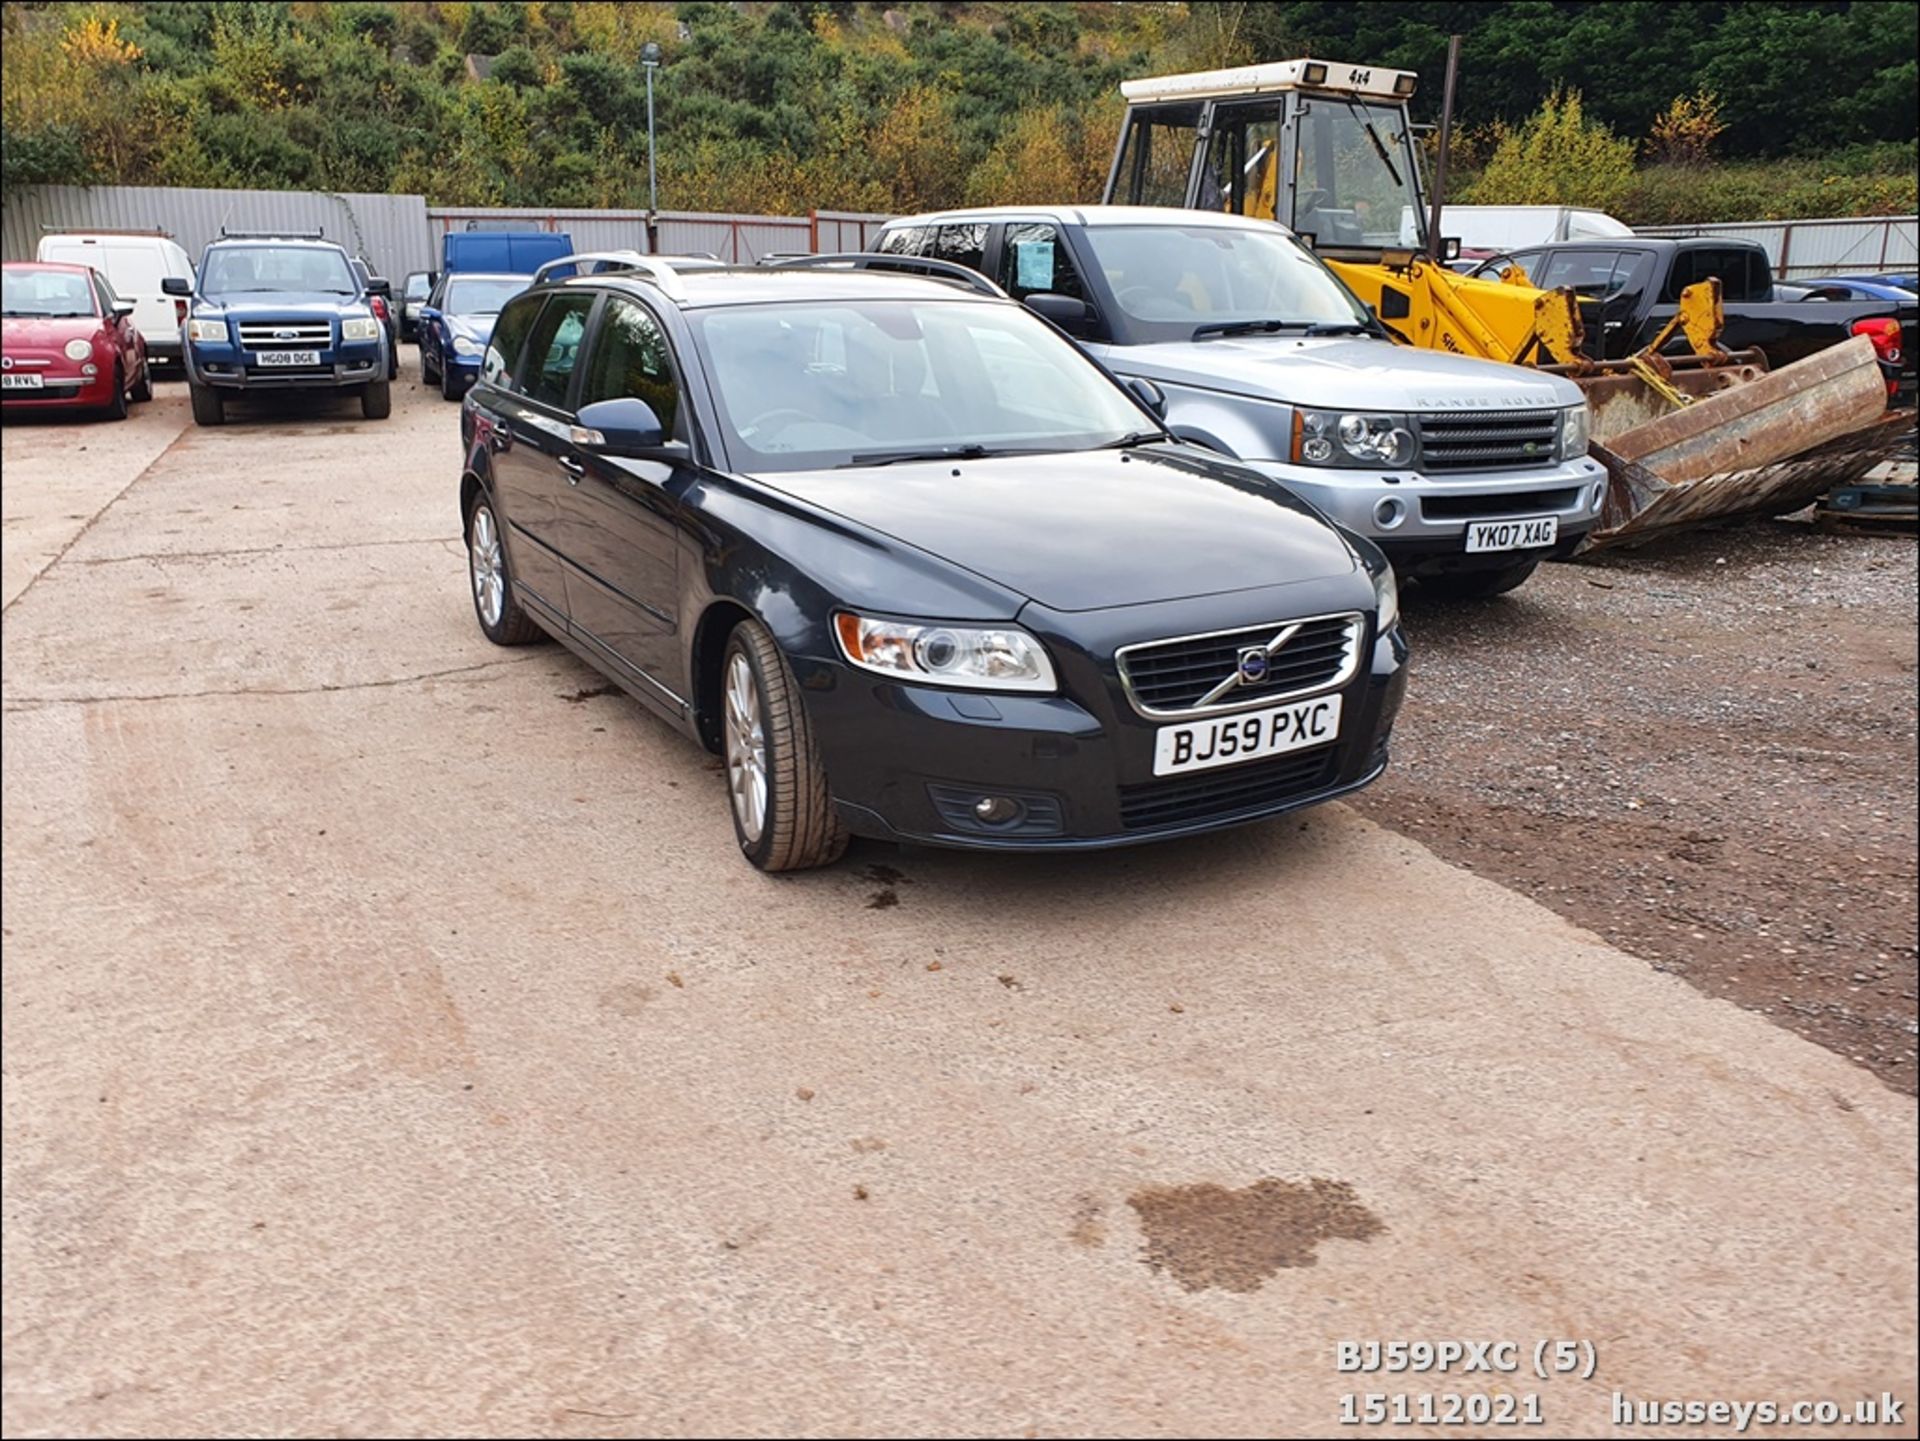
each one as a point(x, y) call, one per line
point(746, 748)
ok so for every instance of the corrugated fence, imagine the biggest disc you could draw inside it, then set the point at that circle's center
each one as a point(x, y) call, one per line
point(401, 233)
point(1806, 248)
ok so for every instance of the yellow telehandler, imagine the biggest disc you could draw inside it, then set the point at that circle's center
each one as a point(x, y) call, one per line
point(1327, 149)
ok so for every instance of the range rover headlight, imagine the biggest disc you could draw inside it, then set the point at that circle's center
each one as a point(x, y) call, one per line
point(1351, 438)
point(464, 346)
point(213, 330)
point(360, 327)
point(998, 657)
point(1576, 431)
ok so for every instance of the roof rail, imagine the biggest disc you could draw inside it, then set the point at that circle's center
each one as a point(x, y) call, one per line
point(651, 266)
point(944, 270)
point(101, 230)
point(315, 234)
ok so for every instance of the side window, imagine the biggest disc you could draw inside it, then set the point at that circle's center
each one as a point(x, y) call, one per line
point(1157, 155)
point(103, 293)
point(907, 240)
point(1034, 259)
point(631, 358)
point(553, 349)
point(962, 245)
point(501, 364)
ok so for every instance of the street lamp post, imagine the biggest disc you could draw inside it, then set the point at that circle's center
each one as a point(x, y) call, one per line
point(650, 59)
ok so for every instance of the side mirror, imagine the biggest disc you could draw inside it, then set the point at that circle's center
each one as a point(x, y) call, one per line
point(1073, 316)
point(428, 312)
point(176, 285)
point(379, 286)
point(626, 427)
point(1148, 394)
point(1449, 247)
point(123, 309)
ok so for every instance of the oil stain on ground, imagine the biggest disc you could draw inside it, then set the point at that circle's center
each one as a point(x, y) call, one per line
point(1207, 1235)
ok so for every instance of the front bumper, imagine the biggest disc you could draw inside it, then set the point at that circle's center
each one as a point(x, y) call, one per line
point(1412, 515)
point(903, 760)
point(62, 386)
point(228, 367)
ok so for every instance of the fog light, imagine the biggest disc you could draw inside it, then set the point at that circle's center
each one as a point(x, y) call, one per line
point(997, 810)
point(1388, 513)
point(89, 369)
point(1599, 494)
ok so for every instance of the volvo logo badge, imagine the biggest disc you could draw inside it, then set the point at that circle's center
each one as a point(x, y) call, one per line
point(1253, 665)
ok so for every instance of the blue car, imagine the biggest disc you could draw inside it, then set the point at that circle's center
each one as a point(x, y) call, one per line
point(455, 323)
point(281, 312)
point(1868, 287)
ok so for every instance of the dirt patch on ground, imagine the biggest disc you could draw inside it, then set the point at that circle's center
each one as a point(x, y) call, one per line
point(1702, 750)
point(1207, 1235)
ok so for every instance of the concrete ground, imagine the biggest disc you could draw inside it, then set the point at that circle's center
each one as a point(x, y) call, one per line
point(396, 1044)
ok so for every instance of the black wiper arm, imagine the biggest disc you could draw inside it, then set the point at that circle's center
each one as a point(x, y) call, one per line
point(1246, 327)
point(1379, 147)
point(1346, 327)
point(905, 457)
point(1135, 437)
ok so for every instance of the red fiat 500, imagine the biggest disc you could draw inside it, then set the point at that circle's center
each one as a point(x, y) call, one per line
point(67, 340)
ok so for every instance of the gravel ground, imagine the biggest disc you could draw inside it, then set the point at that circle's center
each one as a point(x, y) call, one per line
point(1704, 751)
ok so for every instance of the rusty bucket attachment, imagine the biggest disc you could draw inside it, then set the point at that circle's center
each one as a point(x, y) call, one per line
point(1765, 447)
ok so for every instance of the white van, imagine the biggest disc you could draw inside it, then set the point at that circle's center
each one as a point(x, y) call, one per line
point(134, 262)
point(1492, 229)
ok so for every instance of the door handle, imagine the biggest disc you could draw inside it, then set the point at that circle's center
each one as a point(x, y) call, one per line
point(573, 468)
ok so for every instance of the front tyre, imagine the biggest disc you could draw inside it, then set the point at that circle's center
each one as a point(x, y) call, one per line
point(1479, 584)
point(143, 387)
point(776, 785)
point(209, 406)
point(117, 407)
point(376, 401)
point(451, 387)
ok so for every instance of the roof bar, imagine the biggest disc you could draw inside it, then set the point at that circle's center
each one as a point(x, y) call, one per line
point(944, 270)
point(650, 266)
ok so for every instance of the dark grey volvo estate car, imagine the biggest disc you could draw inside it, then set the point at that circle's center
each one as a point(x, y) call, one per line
point(917, 567)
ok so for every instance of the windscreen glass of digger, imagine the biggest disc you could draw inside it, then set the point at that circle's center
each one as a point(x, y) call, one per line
point(1170, 280)
point(1354, 181)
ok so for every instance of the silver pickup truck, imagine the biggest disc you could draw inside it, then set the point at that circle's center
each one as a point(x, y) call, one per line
point(1465, 472)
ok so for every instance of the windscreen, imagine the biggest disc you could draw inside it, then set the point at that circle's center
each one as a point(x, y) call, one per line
point(1174, 279)
point(473, 295)
point(1354, 178)
point(251, 269)
point(804, 387)
point(46, 293)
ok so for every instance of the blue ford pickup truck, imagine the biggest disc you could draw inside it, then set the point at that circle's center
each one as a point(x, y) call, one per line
point(281, 312)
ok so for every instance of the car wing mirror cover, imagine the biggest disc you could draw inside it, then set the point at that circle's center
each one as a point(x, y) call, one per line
point(626, 426)
point(175, 285)
point(1148, 394)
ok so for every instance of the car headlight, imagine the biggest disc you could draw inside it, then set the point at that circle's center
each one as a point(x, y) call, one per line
point(464, 346)
point(1575, 431)
point(207, 330)
point(1333, 437)
point(79, 349)
point(360, 327)
point(1386, 600)
point(999, 657)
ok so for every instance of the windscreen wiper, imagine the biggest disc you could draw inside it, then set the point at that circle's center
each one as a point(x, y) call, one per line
point(1135, 437)
point(1247, 327)
point(1379, 147)
point(951, 452)
point(1346, 327)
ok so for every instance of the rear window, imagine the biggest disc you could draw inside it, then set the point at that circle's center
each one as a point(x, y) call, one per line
point(1743, 273)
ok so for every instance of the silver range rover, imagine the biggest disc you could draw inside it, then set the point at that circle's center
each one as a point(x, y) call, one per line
point(1467, 473)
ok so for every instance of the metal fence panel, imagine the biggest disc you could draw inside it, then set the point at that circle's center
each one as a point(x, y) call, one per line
point(401, 233)
point(389, 230)
point(1806, 248)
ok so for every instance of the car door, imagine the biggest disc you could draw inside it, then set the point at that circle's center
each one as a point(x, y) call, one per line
point(528, 404)
point(430, 327)
point(623, 516)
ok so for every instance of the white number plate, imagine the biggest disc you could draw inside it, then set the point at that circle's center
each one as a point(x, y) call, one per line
point(1523, 534)
point(289, 357)
point(20, 382)
point(1228, 740)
